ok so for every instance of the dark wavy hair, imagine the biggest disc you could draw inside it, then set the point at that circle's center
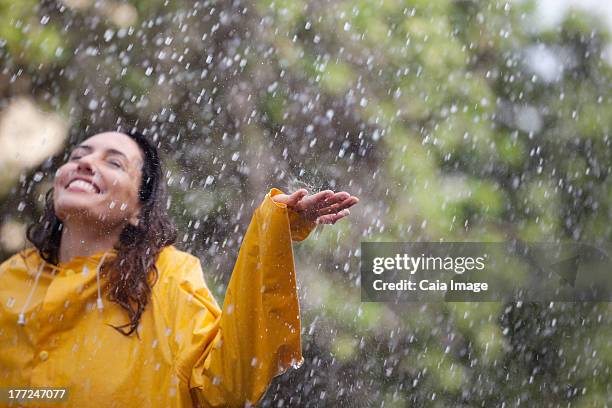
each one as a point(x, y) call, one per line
point(132, 273)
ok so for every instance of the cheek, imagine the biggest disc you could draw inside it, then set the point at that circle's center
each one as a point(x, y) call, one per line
point(60, 177)
point(122, 191)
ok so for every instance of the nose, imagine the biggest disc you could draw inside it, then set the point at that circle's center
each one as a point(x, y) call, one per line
point(85, 164)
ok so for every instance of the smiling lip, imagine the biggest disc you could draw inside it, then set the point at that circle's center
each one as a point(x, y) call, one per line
point(76, 187)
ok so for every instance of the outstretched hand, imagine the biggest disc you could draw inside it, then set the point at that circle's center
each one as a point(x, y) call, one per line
point(324, 207)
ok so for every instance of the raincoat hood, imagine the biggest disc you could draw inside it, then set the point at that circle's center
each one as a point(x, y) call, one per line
point(55, 325)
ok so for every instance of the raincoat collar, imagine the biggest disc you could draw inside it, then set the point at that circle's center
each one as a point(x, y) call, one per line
point(96, 260)
point(33, 261)
point(79, 261)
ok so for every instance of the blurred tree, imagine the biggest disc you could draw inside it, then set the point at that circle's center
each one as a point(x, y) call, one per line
point(454, 120)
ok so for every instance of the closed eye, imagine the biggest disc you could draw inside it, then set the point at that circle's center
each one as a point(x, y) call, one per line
point(114, 163)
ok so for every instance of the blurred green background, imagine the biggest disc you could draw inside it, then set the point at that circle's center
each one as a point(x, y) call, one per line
point(450, 119)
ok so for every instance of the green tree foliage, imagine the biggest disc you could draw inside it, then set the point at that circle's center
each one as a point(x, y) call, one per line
point(452, 120)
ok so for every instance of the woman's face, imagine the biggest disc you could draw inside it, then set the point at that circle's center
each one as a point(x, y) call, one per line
point(100, 181)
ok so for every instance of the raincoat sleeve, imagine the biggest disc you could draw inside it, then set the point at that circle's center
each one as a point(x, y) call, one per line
point(229, 357)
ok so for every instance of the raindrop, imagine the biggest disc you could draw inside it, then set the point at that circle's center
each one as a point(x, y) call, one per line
point(108, 35)
point(230, 309)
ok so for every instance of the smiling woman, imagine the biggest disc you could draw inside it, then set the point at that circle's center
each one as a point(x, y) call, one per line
point(110, 194)
point(106, 212)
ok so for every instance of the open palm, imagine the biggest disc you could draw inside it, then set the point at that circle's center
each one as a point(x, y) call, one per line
point(324, 207)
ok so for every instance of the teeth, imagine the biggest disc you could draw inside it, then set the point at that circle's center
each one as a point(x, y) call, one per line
point(84, 185)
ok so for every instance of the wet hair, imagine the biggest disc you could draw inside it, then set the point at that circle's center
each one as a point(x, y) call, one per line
point(132, 273)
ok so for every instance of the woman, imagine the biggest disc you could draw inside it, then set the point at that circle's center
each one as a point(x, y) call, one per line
point(105, 306)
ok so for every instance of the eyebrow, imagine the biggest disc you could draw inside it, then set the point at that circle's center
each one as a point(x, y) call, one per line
point(110, 151)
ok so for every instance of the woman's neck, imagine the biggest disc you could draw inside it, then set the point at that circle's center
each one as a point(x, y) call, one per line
point(80, 240)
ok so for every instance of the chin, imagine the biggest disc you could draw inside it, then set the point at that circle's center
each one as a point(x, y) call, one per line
point(76, 209)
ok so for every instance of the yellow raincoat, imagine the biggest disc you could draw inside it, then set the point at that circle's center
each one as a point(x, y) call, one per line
point(190, 353)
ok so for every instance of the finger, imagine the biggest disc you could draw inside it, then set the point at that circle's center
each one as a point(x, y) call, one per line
point(339, 206)
point(332, 218)
point(332, 199)
point(315, 201)
point(297, 196)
